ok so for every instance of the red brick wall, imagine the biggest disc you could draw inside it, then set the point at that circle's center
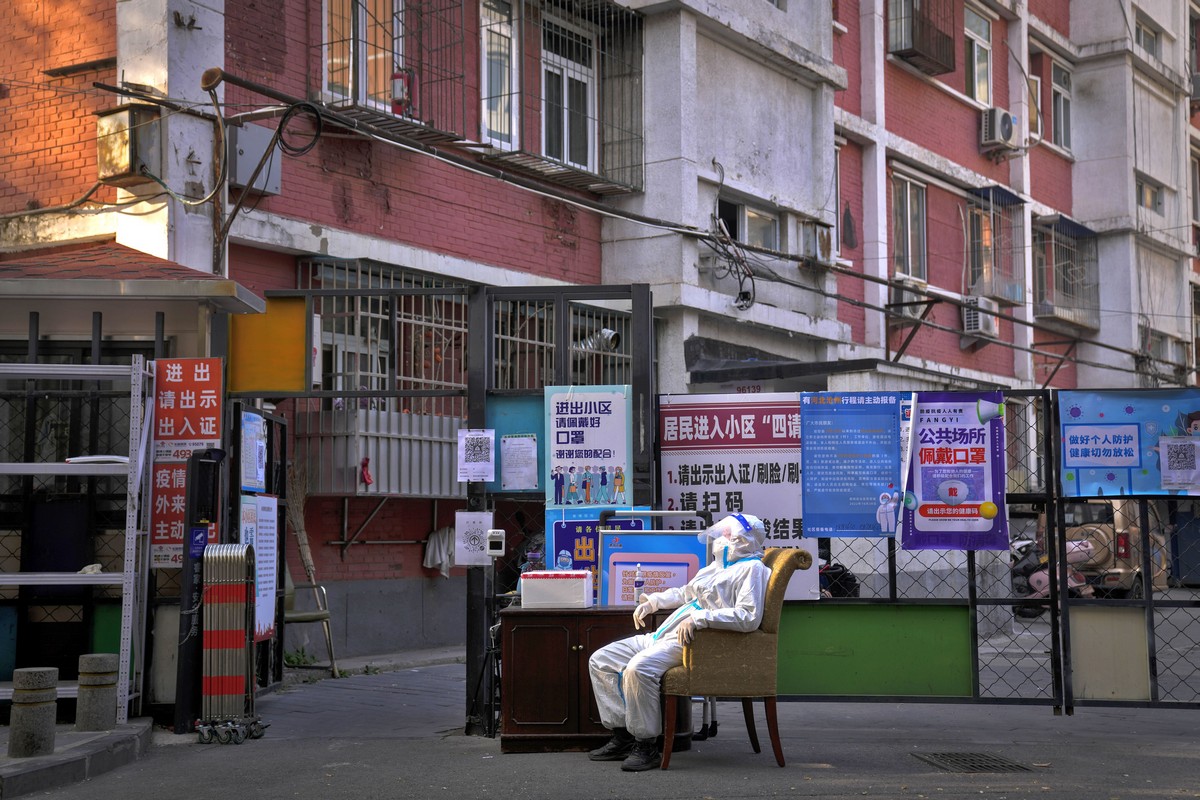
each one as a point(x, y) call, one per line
point(260, 270)
point(945, 243)
point(381, 190)
point(398, 519)
point(941, 122)
point(1049, 170)
point(851, 182)
point(48, 152)
point(1055, 13)
point(846, 54)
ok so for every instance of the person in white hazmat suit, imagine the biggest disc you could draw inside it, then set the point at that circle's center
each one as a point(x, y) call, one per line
point(727, 594)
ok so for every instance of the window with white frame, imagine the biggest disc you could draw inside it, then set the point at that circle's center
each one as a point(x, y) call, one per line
point(498, 61)
point(1149, 194)
point(748, 224)
point(569, 95)
point(978, 56)
point(1193, 52)
point(1035, 107)
point(1194, 172)
point(364, 52)
point(837, 199)
point(1060, 108)
point(908, 227)
point(1148, 37)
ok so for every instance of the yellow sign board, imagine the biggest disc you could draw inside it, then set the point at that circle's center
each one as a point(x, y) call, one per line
point(267, 352)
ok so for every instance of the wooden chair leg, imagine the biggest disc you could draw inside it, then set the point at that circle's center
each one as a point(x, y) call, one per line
point(672, 707)
point(333, 670)
point(773, 728)
point(748, 713)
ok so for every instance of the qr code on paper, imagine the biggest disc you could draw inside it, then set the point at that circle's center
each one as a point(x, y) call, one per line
point(1181, 457)
point(477, 450)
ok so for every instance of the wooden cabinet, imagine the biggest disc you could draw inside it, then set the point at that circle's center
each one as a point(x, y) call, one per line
point(546, 701)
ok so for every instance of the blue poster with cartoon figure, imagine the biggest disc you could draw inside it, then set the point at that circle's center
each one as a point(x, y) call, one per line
point(1129, 442)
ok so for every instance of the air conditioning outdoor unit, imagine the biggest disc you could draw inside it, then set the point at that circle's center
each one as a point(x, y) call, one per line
point(999, 130)
point(976, 319)
point(907, 303)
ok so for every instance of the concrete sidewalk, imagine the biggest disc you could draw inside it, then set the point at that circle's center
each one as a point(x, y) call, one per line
point(82, 756)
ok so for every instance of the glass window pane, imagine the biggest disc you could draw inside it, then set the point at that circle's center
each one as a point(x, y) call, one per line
point(380, 55)
point(499, 98)
point(899, 215)
point(916, 223)
point(337, 52)
point(762, 229)
point(982, 75)
point(978, 24)
point(577, 121)
point(552, 87)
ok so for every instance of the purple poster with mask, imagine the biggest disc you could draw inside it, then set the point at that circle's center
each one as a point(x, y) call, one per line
point(954, 494)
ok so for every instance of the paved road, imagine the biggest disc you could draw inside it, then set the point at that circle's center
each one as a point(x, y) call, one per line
point(399, 734)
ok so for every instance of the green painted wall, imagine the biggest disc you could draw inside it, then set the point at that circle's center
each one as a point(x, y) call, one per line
point(889, 650)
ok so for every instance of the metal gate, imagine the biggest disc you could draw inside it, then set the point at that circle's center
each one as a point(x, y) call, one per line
point(1120, 626)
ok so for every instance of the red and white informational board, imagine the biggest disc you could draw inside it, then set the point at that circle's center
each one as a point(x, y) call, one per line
point(738, 453)
point(188, 396)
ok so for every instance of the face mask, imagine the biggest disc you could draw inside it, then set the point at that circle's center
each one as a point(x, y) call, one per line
point(728, 550)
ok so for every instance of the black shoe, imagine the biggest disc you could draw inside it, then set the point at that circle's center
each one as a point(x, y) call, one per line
point(615, 749)
point(643, 756)
point(712, 729)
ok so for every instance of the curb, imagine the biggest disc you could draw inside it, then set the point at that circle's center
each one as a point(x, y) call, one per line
point(76, 757)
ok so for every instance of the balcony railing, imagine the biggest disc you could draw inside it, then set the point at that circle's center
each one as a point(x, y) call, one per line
point(921, 33)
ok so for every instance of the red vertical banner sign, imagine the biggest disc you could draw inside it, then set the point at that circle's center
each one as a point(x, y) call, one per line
point(188, 402)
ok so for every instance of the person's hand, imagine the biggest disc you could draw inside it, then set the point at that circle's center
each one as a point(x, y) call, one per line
point(644, 609)
point(686, 630)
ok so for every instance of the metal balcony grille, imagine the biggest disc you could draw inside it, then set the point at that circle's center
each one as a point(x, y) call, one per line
point(583, 99)
point(922, 33)
point(401, 337)
point(996, 256)
point(400, 65)
point(1066, 274)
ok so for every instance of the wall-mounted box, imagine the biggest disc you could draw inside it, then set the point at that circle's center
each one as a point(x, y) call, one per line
point(246, 146)
point(128, 151)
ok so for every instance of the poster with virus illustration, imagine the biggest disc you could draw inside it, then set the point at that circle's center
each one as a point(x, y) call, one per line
point(955, 484)
point(851, 462)
point(1129, 442)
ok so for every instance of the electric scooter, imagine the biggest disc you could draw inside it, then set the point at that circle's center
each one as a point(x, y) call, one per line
point(1031, 574)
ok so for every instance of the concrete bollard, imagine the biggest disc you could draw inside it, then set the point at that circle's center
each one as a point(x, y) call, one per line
point(34, 708)
point(96, 708)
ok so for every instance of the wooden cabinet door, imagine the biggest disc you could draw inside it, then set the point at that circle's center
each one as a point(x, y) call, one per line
point(539, 675)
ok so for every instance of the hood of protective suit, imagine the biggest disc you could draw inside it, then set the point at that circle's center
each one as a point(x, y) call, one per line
point(735, 537)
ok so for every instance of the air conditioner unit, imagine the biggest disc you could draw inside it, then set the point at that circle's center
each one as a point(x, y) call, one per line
point(999, 130)
point(976, 319)
point(908, 304)
point(816, 241)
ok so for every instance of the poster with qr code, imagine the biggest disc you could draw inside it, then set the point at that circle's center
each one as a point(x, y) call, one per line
point(1129, 442)
point(476, 455)
point(1179, 470)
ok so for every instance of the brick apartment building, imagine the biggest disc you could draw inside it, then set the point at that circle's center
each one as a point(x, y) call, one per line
point(856, 195)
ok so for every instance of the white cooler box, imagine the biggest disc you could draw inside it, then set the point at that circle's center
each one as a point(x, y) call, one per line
point(568, 588)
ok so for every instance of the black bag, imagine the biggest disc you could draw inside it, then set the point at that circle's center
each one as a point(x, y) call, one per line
point(838, 581)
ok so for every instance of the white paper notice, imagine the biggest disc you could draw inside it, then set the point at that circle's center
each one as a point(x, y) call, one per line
point(470, 538)
point(518, 462)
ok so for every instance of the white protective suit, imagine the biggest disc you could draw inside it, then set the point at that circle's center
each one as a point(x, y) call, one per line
point(727, 594)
